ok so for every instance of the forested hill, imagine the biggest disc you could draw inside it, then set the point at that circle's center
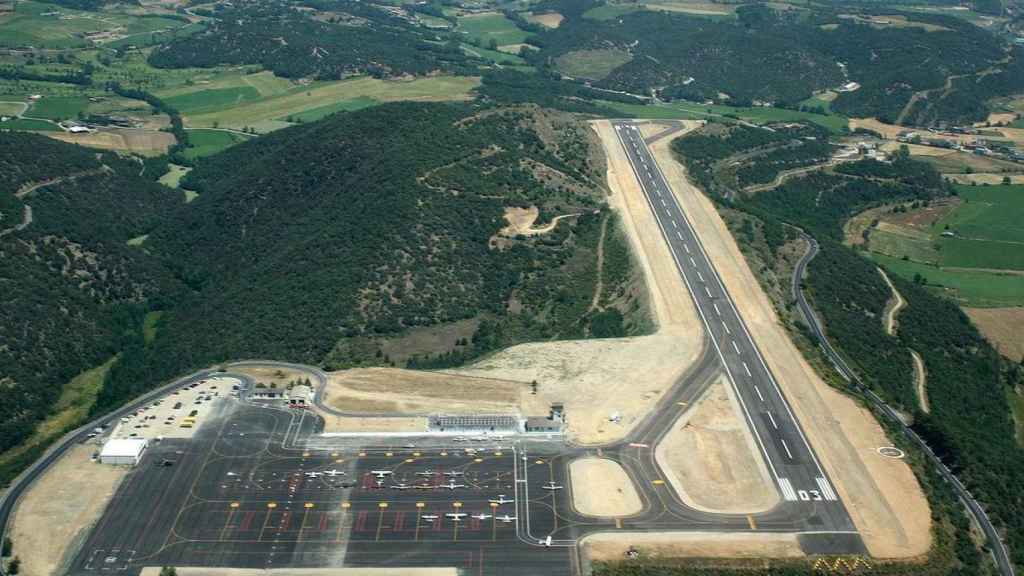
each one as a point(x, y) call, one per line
point(67, 275)
point(348, 38)
point(911, 67)
point(341, 235)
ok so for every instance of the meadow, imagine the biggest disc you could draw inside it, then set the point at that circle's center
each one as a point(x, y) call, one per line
point(591, 64)
point(691, 111)
point(207, 142)
point(487, 27)
point(58, 108)
point(51, 26)
point(976, 288)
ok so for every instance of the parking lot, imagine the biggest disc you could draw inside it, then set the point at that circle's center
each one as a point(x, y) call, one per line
point(178, 414)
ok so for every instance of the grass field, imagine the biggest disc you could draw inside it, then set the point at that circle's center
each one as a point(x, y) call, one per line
point(357, 103)
point(1016, 402)
point(988, 224)
point(487, 27)
point(264, 114)
point(609, 11)
point(27, 124)
point(11, 108)
point(494, 55)
point(591, 64)
point(212, 100)
point(149, 325)
point(51, 26)
point(58, 108)
point(690, 111)
point(207, 142)
point(175, 173)
point(969, 287)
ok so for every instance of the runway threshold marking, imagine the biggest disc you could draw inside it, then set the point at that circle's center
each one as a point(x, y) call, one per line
point(750, 520)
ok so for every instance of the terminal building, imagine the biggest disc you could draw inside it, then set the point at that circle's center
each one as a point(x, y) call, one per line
point(553, 423)
point(123, 451)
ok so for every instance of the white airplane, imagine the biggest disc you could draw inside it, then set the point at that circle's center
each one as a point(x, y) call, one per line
point(502, 500)
point(506, 518)
point(380, 473)
point(332, 473)
point(313, 474)
point(551, 486)
point(452, 485)
point(454, 473)
point(401, 486)
point(429, 517)
point(427, 472)
point(424, 487)
point(456, 516)
point(481, 516)
point(546, 541)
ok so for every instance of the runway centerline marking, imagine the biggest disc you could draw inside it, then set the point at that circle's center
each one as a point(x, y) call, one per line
point(747, 370)
point(772, 419)
point(735, 346)
point(786, 446)
point(758, 390)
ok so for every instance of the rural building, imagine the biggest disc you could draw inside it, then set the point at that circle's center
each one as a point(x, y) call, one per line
point(125, 451)
point(300, 394)
point(267, 393)
point(552, 424)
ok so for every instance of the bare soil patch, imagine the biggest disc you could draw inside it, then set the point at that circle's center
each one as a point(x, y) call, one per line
point(371, 425)
point(600, 487)
point(268, 375)
point(984, 178)
point(145, 142)
point(520, 222)
point(881, 494)
point(58, 511)
point(995, 118)
point(920, 381)
point(611, 547)
point(1002, 327)
point(711, 460)
point(892, 307)
point(549, 20)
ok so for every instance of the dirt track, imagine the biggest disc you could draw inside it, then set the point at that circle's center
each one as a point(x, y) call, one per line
point(881, 494)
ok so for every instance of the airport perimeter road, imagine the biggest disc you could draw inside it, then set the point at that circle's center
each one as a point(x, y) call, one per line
point(790, 459)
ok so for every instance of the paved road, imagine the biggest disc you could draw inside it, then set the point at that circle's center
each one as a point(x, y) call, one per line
point(995, 543)
point(790, 459)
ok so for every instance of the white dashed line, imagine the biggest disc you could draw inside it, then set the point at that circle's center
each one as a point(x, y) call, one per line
point(735, 347)
point(717, 311)
point(694, 264)
point(687, 248)
point(674, 225)
point(663, 203)
point(746, 369)
point(701, 276)
point(679, 234)
point(758, 390)
point(707, 291)
point(772, 419)
point(726, 326)
point(786, 446)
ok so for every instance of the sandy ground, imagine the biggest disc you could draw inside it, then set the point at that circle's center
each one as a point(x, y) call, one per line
point(892, 307)
point(164, 420)
point(882, 494)
point(383, 390)
point(204, 571)
point(997, 118)
point(270, 375)
point(600, 487)
point(550, 20)
point(1003, 328)
point(612, 546)
point(709, 457)
point(520, 221)
point(60, 508)
point(920, 381)
point(984, 178)
point(145, 142)
point(368, 425)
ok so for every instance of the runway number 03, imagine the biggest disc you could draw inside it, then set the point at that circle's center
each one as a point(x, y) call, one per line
point(809, 495)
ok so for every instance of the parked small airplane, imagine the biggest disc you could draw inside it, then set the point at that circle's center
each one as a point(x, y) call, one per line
point(454, 473)
point(427, 472)
point(332, 473)
point(380, 473)
point(501, 500)
point(546, 541)
point(481, 516)
point(452, 485)
point(401, 486)
point(313, 474)
point(429, 517)
point(551, 486)
point(506, 518)
point(456, 516)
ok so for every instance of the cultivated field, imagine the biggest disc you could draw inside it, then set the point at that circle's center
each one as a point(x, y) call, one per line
point(492, 26)
point(144, 142)
point(52, 26)
point(204, 142)
point(548, 19)
point(1002, 327)
point(591, 64)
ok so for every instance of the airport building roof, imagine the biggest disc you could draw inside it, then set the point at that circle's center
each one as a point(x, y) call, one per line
point(123, 447)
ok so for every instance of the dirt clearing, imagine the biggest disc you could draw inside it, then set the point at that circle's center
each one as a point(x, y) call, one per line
point(145, 142)
point(415, 392)
point(1002, 327)
point(611, 547)
point(920, 381)
point(984, 178)
point(549, 20)
point(520, 222)
point(60, 508)
point(711, 460)
point(881, 494)
point(271, 375)
point(600, 487)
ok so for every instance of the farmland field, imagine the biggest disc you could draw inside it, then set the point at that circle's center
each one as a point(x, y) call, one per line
point(344, 106)
point(58, 108)
point(28, 124)
point(591, 64)
point(609, 11)
point(487, 27)
point(207, 142)
point(51, 26)
point(494, 55)
point(265, 113)
point(968, 287)
point(213, 99)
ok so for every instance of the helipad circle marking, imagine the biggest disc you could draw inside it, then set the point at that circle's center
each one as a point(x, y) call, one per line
point(891, 452)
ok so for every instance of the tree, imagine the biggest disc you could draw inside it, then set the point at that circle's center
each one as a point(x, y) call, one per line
point(168, 571)
point(8, 545)
point(1006, 180)
point(14, 567)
